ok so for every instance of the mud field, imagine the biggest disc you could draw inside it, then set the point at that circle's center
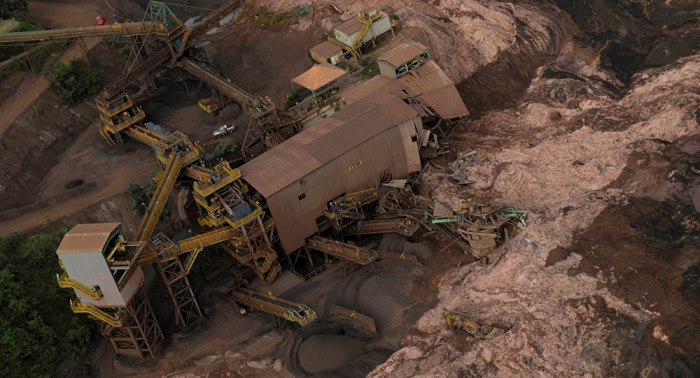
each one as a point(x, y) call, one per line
point(585, 113)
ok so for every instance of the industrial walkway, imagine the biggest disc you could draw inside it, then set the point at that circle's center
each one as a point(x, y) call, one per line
point(294, 312)
point(160, 198)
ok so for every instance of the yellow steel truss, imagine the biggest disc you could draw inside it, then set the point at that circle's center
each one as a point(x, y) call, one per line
point(159, 198)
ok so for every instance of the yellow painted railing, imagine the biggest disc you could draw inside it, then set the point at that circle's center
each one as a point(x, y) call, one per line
point(159, 198)
point(79, 307)
point(111, 112)
point(68, 283)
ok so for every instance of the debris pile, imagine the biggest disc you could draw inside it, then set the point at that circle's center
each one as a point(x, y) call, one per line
point(478, 226)
point(458, 167)
point(487, 329)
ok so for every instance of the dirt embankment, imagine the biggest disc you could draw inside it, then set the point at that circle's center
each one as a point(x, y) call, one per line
point(491, 49)
point(48, 146)
point(575, 146)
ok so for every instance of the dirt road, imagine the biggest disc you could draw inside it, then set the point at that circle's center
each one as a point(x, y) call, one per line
point(62, 209)
point(50, 15)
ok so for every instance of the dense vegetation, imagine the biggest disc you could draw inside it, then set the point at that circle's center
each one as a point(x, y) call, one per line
point(224, 148)
point(8, 7)
point(34, 61)
point(121, 43)
point(74, 80)
point(38, 330)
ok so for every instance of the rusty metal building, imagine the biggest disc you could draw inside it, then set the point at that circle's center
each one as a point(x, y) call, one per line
point(373, 138)
point(326, 52)
point(399, 60)
point(426, 88)
point(349, 31)
point(83, 254)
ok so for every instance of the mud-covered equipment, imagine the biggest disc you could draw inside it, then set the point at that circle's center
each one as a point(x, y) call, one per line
point(456, 320)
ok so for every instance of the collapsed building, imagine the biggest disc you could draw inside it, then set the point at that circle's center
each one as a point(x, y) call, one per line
point(270, 207)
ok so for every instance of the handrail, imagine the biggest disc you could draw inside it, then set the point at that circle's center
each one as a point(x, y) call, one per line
point(79, 307)
point(159, 198)
point(68, 283)
point(294, 312)
point(135, 28)
point(142, 135)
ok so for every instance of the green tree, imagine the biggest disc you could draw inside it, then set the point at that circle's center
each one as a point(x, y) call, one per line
point(140, 197)
point(11, 6)
point(74, 80)
point(120, 42)
point(38, 331)
point(224, 148)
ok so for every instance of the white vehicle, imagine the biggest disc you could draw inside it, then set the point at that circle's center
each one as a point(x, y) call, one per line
point(223, 130)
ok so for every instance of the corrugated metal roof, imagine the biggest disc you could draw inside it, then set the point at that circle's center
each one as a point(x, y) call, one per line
point(427, 89)
point(350, 26)
point(442, 211)
point(318, 76)
point(326, 49)
point(403, 53)
point(87, 238)
point(307, 151)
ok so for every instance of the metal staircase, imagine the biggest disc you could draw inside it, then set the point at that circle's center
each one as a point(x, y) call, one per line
point(78, 307)
point(68, 283)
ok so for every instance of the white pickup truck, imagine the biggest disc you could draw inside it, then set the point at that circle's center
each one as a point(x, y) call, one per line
point(223, 130)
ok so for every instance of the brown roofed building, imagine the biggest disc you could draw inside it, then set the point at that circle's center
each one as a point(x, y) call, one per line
point(83, 253)
point(318, 76)
point(399, 60)
point(352, 150)
point(350, 32)
point(326, 52)
point(427, 89)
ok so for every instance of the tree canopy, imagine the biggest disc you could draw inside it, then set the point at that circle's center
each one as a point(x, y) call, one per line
point(12, 6)
point(38, 330)
point(73, 80)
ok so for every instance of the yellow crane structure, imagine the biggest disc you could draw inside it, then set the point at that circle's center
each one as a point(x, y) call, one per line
point(235, 220)
point(366, 19)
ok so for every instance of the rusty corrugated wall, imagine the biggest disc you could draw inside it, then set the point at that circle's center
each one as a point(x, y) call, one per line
point(302, 174)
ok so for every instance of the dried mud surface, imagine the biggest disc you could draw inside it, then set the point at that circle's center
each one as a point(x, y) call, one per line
point(584, 113)
point(594, 285)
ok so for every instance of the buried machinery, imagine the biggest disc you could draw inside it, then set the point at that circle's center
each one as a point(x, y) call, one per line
point(274, 206)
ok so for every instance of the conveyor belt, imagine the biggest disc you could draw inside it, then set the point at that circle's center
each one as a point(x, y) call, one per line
point(160, 197)
point(213, 18)
point(345, 251)
point(197, 172)
point(244, 98)
point(294, 312)
point(403, 226)
point(133, 28)
point(143, 135)
point(231, 234)
point(125, 80)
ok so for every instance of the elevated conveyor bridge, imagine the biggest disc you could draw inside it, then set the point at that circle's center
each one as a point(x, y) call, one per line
point(291, 311)
point(129, 29)
point(160, 198)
